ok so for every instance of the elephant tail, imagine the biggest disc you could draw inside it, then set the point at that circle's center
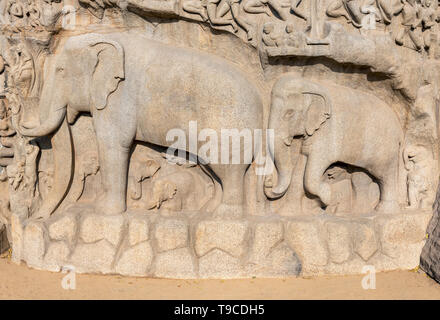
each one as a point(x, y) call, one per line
point(62, 147)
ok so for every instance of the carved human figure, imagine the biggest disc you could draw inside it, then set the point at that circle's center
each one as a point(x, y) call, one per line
point(30, 170)
point(428, 15)
point(264, 6)
point(196, 7)
point(421, 192)
point(389, 8)
point(411, 21)
point(334, 127)
point(16, 12)
point(217, 9)
point(296, 9)
point(291, 38)
point(271, 37)
point(353, 10)
point(97, 73)
point(6, 131)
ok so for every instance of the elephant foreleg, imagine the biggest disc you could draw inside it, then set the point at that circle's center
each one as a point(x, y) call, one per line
point(314, 172)
point(388, 186)
point(113, 160)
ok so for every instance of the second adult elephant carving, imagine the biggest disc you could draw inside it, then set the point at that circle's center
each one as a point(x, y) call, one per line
point(139, 89)
point(337, 125)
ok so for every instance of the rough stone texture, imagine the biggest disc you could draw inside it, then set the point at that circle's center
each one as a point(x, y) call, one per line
point(177, 264)
point(304, 238)
point(266, 236)
point(138, 230)
point(229, 236)
point(34, 244)
point(399, 233)
point(56, 256)
point(280, 262)
point(94, 257)
point(135, 261)
point(171, 234)
point(98, 227)
point(339, 242)
point(17, 232)
point(350, 105)
point(365, 241)
point(219, 264)
point(64, 228)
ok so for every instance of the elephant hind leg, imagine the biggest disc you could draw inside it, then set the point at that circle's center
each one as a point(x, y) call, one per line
point(388, 186)
point(232, 180)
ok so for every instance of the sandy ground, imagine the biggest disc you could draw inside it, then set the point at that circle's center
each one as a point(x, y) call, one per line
point(21, 282)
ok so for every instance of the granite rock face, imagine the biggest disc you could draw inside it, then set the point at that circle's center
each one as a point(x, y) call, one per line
point(276, 140)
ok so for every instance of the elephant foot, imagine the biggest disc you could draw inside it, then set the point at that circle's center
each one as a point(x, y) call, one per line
point(109, 206)
point(388, 206)
point(228, 211)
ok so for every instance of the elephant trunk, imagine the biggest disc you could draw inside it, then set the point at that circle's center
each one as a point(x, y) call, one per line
point(47, 127)
point(281, 154)
point(53, 120)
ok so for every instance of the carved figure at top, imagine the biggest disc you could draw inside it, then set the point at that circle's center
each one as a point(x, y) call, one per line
point(96, 73)
point(428, 16)
point(352, 10)
point(271, 36)
point(217, 9)
point(196, 7)
point(411, 14)
point(264, 6)
point(97, 7)
point(389, 8)
point(334, 128)
point(296, 8)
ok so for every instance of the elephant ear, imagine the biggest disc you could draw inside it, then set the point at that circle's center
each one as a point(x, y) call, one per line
point(317, 113)
point(108, 72)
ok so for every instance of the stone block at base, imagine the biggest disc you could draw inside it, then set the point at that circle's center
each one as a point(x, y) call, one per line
point(142, 244)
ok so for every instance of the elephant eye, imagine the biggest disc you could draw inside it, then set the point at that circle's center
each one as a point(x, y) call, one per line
point(60, 69)
point(288, 114)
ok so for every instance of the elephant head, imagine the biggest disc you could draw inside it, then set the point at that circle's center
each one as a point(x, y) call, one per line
point(298, 109)
point(141, 171)
point(163, 190)
point(78, 78)
point(83, 75)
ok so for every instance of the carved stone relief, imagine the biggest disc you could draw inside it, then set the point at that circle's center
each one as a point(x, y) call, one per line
point(334, 103)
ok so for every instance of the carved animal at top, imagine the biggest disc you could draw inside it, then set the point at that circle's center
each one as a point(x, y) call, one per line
point(337, 125)
point(139, 89)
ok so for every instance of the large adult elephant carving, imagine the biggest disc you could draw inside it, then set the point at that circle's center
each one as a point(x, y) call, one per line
point(337, 125)
point(139, 89)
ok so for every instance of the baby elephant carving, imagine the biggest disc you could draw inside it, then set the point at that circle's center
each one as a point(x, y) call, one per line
point(336, 125)
point(139, 171)
point(179, 190)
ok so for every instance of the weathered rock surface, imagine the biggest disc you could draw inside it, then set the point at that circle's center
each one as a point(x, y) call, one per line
point(229, 236)
point(135, 261)
point(178, 264)
point(171, 234)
